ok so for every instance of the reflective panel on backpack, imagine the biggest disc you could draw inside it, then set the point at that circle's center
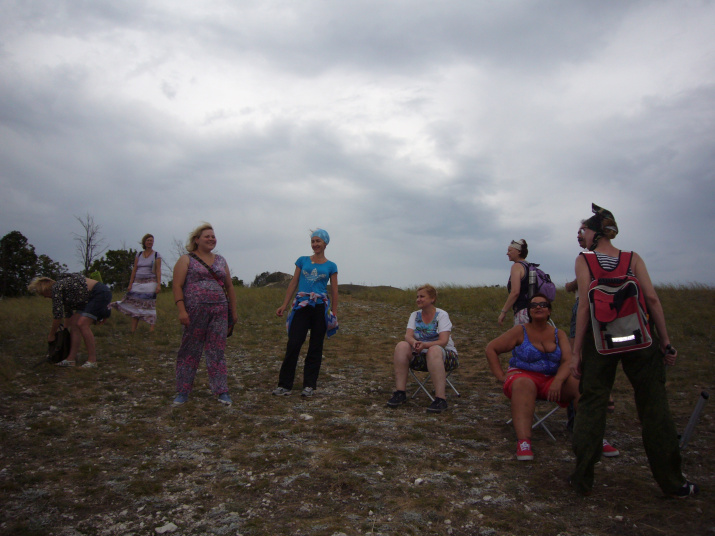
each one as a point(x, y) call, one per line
point(619, 316)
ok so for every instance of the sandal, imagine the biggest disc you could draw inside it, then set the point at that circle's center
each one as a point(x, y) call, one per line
point(611, 405)
point(65, 363)
point(88, 364)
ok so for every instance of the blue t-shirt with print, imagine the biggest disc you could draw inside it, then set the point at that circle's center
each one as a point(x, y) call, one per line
point(315, 277)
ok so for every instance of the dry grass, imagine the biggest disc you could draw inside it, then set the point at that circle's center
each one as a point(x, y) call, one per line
point(103, 451)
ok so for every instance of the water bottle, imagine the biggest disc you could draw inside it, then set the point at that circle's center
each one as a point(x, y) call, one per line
point(532, 284)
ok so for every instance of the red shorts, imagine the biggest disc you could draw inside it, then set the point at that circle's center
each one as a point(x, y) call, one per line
point(542, 382)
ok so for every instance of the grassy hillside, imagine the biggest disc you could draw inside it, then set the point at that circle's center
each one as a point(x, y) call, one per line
point(103, 451)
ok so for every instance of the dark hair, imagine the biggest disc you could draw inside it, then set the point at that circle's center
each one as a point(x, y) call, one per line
point(538, 295)
point(521, 246)
point(603, 223)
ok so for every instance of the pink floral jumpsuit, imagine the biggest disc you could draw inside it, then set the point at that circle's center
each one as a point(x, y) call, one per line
point(207, 308)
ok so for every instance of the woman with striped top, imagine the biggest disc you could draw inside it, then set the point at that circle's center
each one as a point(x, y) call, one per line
point(645, 369)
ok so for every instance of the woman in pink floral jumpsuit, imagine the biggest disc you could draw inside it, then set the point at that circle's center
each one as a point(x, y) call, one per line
point(204, 310)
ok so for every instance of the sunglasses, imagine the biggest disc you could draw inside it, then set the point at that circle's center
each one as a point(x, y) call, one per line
point(540, 305)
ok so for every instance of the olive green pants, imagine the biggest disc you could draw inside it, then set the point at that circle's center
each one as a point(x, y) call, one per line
point(646, 371)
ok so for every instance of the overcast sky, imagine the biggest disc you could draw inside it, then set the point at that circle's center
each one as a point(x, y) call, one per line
point(422, 135)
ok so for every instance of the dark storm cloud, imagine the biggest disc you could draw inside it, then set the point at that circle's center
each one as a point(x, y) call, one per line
point(424, 136)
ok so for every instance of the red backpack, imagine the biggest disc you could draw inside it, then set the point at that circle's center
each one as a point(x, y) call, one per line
point(619, 316)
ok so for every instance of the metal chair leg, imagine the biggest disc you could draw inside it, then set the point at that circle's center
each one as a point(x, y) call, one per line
point(539, 421)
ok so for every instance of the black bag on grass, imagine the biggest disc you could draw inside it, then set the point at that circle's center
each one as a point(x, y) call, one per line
point(59, 349)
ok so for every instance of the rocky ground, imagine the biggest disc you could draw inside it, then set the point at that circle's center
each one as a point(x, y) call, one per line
point(104, 452)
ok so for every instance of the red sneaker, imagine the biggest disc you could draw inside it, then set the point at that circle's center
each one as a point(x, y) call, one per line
point(523, 450)
point(608, 450)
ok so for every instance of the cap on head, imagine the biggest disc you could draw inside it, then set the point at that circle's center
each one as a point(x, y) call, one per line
point(322, 234)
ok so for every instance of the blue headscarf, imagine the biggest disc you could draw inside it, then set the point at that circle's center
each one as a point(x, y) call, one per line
point(322, 234)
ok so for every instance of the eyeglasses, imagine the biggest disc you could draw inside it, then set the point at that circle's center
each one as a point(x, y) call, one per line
point(541, 305)
point(582, 231)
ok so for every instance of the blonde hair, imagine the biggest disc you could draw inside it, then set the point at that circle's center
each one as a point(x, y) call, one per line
point(40, 285)
point(144, 239)
point(190, 245)
point(431, 291)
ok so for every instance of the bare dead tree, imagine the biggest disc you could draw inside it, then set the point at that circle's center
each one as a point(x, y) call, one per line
point(90, 243)
point(176, 250)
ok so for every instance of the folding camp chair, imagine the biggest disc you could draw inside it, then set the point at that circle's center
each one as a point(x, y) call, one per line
point(426, 379)
point(541, 421)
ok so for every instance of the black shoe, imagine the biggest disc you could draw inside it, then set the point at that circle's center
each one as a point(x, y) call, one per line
point(398, 398)
point(686, 490)
point(581, 491)
point(437, 406)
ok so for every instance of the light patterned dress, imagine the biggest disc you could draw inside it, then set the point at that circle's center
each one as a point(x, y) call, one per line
point(140, 301)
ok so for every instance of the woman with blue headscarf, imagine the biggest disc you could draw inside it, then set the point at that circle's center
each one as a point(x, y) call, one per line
point(311, 310)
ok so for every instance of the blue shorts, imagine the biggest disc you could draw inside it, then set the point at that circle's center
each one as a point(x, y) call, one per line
point(97, 308)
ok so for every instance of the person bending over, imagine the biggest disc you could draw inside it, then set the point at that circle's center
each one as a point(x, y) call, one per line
point(84, 302)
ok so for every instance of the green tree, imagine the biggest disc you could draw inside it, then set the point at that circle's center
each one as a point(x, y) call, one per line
point(18, 261)
point(116, 267)
point(46, 267)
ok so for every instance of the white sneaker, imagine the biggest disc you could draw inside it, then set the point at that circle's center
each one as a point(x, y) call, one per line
point(281, 391)
point(307, 391)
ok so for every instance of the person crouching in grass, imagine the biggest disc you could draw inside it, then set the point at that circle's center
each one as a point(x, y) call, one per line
point(84, 301)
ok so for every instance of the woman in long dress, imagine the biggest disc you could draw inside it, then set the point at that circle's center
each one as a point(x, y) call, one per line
point(145, 283)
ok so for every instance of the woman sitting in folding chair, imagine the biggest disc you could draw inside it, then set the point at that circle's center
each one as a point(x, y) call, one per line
point(428, 345)
point(538, 369)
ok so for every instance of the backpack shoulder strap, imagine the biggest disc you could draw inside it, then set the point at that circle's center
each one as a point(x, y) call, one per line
point(592, 263)
point(527, 267)
point(625, 258)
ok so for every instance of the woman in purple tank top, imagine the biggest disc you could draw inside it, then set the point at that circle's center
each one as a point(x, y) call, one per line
point(539, 369)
